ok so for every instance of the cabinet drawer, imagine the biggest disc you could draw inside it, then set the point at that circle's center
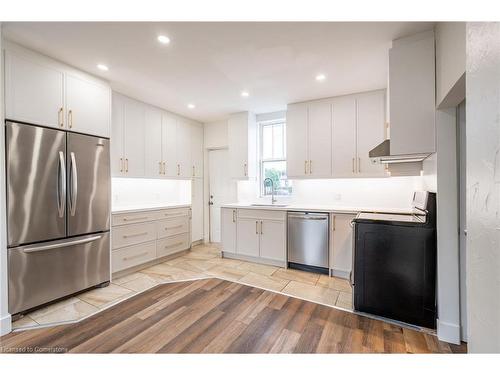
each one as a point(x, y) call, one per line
point(171, 245)
point(133, 256)
point(135, 217)
point(261, 214)
point(174, 212)
point(171, 227)
point(132, 234)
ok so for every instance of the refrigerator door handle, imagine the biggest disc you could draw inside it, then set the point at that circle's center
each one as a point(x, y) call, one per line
point(61, 188)
point(74, 184)
point(34, 249)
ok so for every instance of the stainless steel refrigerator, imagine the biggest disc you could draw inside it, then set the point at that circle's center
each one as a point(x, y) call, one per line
point(58, 214)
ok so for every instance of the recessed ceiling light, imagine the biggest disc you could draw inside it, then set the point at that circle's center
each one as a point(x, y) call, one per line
point(102, 67)
point(191, 106)
point(163, 39)
point(320, 77)
point(245, 94)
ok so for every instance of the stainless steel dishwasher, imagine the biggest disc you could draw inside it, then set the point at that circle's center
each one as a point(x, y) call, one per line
point(308, 241)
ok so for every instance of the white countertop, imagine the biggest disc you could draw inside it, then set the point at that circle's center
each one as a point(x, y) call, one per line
point(322, 208)
point(145, 207)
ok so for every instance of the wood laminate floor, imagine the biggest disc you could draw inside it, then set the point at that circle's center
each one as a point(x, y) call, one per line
point(219, 316)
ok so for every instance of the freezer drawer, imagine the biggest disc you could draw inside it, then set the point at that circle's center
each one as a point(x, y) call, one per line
point(47, 271)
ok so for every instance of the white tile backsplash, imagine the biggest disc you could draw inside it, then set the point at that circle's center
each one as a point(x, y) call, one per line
point(392, 192)
point(149, 192)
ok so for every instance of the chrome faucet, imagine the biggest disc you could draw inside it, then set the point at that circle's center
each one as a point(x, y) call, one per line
point(273, 200)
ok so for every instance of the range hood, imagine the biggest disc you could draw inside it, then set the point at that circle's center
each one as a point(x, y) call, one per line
point(382, 153)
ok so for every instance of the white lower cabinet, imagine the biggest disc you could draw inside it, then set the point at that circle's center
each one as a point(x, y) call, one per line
point(143, 236)
point(247, 237)
point(256, 234)
point(272, 240)
point(341, 244)
point(198, 212)
point(228, 230)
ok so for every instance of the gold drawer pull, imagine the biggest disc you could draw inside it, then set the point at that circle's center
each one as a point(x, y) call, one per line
point(174, 245)
point(135, 256)
point(135, 218)
point(174, 214)
point(177, 226)
point(135, 235)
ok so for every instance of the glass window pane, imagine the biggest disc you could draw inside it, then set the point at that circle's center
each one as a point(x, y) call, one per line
point(267, 142)
point(276, 171)
point(278, 141)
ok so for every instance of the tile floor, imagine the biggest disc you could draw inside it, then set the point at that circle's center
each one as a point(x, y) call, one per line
point(201, 261)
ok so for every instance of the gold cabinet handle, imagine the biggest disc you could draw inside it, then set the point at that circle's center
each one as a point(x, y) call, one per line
point(135, 218)
point(305, 166)
point(70, 118)
point(126, 165)
point(164, 168)
point(256, 227)
point(178, 169)
point(261, 232)
point(176, 227)
point(193, 170)
point(234, 216)
point(159, 167)
point(135, 256)
point(310, 167)
point(121, 164)
point(333, 224)
point(353, 165)
point(135, 235)
point(173, 245)
point(60, 117)
point(245, 169)
point(359, 165)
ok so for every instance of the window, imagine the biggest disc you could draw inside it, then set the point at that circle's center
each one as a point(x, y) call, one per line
point(273, 158)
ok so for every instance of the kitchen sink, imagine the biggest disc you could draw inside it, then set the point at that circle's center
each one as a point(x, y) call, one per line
point(267, 205)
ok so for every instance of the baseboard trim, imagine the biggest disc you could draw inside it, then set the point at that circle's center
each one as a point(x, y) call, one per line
point(342, 274)
point(5, 325)
point(448, 332)
point(269, 262)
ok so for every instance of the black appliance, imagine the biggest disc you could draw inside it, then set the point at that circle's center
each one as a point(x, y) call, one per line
point(394, 272)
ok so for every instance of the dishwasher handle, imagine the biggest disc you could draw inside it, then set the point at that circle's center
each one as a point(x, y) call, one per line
point(307, 217)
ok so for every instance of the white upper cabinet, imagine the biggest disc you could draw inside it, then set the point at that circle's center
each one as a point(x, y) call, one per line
point(320, 139)
point(41, 91)
point(344, 137)
point(87, 106)
point(153, 140)
point(332, 137)
point(370, 131)
point(169, 144)
point(183, 152)
point(33, 91)
point(412, 94)
point(134, 140)
point(196, 150)
point(117, 131)
point(296, 140)
point(242, 140)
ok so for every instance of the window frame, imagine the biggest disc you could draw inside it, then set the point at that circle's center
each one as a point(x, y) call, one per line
point(263, 124)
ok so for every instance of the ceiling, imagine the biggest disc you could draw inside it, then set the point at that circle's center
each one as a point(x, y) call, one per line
point(210, 64)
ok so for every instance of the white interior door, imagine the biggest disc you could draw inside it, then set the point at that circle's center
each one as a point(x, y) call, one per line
point(222, 189)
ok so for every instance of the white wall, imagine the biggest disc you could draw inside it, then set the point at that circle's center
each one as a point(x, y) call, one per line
point(376, 193)
point(448, 258)
point(144, 192)
point(483, 186)
point(5, 323)
point(450, 63)
point(215, 134)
